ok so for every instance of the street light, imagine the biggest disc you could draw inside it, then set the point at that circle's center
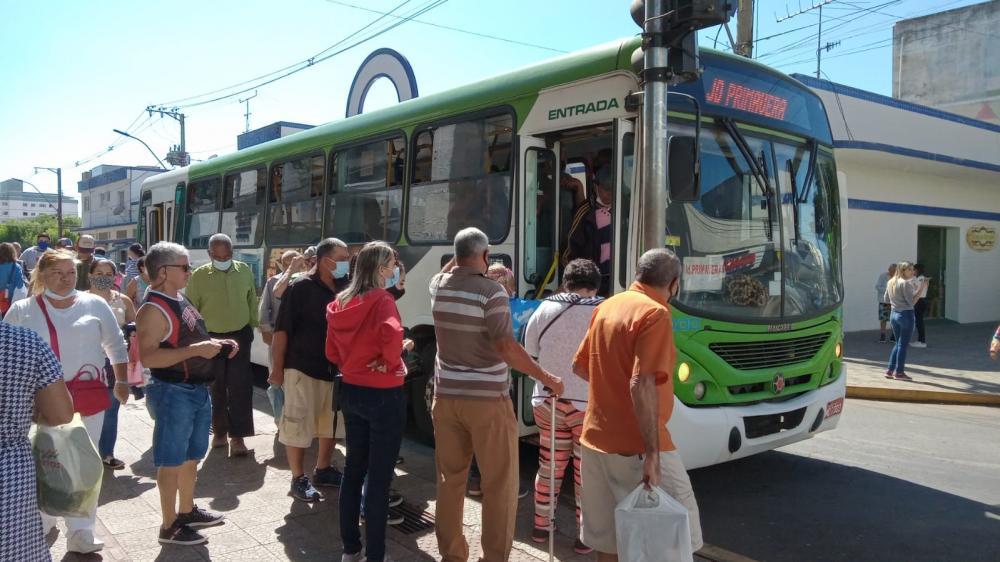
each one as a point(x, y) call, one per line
point(124, 134)
point(59, 214)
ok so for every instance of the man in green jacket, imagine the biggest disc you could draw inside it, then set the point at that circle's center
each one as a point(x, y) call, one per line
point(226, 295)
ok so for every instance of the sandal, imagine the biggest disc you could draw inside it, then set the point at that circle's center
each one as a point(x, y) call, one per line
point(113, 463)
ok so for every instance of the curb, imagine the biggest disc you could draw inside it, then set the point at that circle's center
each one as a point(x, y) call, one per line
point(922, 396)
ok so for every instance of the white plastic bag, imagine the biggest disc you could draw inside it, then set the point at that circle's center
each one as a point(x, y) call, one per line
point(69, 469)
point(652, 527)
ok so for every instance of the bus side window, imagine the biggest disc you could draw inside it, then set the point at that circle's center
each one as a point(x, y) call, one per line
point(295, 212)
point(203, 201)
point(241, 208)
point(462, 179)
point(366, 191)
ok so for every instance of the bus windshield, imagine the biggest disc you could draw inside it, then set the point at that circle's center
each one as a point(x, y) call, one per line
point(744, 255)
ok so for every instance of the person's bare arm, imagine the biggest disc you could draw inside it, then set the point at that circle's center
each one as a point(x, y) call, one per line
point(580, 369)
point(129, 309)
point(279, 343)
point(518, 359)
point(642, 387)
point(297, 265)
point(53, 405)
point(151, 326)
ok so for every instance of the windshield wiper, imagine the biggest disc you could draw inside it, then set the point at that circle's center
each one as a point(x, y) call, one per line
point(756, 168)
point(810, 173)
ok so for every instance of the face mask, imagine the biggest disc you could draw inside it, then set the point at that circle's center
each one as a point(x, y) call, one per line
point(391, 282)
point(222, 265)
point(58, 297)
point(43, 246)
point(342, 269)
point(102, 283)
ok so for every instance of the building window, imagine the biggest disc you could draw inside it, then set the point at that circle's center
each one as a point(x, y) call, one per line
point(103, 235)
point(5, 213)
point(121, 234)
point(86, 203)
point(121, 198)
point(25, 213)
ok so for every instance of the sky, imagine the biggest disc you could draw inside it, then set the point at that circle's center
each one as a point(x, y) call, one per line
point(72, 71)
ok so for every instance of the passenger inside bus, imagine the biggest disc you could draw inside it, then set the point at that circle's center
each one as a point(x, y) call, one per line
point(591, 229)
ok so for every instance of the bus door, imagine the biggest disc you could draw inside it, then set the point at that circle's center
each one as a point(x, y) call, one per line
point(625, 205)
point(539, 271)
point(154, 225)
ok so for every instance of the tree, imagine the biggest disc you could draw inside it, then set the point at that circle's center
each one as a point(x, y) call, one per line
point(24, 231)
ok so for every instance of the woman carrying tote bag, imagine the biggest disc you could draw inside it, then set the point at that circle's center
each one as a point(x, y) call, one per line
point(88, 331)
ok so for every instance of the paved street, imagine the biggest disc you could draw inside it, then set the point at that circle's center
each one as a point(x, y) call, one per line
point(893, 482)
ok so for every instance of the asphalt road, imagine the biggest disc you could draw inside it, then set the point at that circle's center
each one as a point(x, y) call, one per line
point(907, 482)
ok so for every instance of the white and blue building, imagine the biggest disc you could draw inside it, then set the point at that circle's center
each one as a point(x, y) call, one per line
point(918, 184)
point(109, 197)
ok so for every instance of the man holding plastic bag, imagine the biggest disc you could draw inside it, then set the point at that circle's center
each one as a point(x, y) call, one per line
point(628, 357)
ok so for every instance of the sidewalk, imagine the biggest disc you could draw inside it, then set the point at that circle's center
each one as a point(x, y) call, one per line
point(954, 367)
point(264, 523)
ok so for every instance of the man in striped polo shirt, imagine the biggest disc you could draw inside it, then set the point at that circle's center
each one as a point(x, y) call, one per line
point(472, 410)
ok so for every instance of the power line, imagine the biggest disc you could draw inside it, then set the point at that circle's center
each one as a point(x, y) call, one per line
point(314, 60)
point(455, 29)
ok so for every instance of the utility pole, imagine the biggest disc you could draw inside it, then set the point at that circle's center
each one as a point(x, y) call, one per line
point(246, 100)
point(178, 155)
point(744, 29)
point(59, 214)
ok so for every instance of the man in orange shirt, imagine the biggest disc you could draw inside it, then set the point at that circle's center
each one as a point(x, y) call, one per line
point(628, 357)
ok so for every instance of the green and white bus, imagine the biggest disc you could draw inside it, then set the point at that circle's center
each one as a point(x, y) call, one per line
point(758, 322)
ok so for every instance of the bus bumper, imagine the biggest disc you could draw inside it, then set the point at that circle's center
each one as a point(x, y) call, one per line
point(713, 435)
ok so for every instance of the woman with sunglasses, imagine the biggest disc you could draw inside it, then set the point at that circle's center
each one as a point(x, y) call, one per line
point(82, 331)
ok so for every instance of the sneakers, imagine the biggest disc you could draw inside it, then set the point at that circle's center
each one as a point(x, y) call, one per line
point(328, 476)
point(113, 463)
point(539, 535)
point(302, 489)
point(889, 375)
point(395, 498)
point(918, 344)
point(199, 517)
point(83, 542)
point(475, 488)
point(903, 377)
point(181, 534)
point(580, 548)
point(881, 338)
point(356, 557)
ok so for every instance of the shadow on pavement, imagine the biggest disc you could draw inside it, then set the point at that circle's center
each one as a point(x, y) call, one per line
point(783, 507)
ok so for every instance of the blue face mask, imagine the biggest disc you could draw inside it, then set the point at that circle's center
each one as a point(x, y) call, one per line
point(342, 269)
point(43, 246)
point(391, 282)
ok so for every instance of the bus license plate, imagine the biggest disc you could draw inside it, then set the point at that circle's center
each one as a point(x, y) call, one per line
point(834, 407)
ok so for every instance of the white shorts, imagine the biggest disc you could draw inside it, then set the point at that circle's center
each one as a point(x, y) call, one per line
point(608, 478)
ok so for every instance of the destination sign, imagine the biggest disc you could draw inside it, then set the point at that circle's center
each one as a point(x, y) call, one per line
point(745, 98)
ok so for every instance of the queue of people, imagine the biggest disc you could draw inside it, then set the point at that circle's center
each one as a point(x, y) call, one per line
point(337, 343)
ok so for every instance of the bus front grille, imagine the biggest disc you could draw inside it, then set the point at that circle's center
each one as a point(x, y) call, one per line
point(747, 356)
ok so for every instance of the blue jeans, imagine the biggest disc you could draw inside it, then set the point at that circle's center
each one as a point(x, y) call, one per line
point(373, 419)
point(902, 328)
point(182, 416)
point(109, 432)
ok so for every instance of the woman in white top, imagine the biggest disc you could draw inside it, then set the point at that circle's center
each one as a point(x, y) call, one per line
point(88, 332)
point(902, 292)
point(102, 280)
point(552, 336)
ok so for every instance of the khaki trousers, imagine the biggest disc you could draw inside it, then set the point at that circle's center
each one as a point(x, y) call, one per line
point(488, 429)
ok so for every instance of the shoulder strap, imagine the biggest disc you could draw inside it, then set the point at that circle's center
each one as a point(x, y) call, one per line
point(553, 321)
point(53, 338)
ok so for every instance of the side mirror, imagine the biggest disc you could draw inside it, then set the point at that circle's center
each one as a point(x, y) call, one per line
point(684, 169)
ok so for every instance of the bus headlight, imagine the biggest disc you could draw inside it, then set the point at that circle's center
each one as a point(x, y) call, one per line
point(684, 372)
point(699, 390)
point(839, 350)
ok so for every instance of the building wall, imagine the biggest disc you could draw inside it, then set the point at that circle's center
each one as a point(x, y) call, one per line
point(949, 60)
point(111, 203)
point(875, 238)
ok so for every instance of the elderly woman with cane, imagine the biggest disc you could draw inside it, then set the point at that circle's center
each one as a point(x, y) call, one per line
point(552, 336)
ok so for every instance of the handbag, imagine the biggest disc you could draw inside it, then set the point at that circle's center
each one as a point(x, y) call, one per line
point(90, 396)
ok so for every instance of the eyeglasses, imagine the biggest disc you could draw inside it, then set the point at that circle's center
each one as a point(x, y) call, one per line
point(184, 267)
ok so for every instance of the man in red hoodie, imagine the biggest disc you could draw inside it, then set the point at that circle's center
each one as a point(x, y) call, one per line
point(299, 364)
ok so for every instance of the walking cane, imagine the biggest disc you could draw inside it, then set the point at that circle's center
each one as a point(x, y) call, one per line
point(552, 481)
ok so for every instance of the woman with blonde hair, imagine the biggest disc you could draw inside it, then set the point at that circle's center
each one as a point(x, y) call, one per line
point(902, 293)
point(364, 339)
point(82, 331)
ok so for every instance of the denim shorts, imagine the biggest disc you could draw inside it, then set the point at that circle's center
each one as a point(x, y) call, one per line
point(182, 415)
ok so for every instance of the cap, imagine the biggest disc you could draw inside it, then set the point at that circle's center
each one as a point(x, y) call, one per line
point(86, 242)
